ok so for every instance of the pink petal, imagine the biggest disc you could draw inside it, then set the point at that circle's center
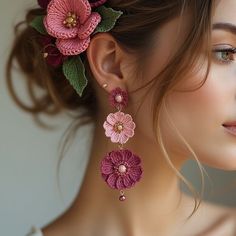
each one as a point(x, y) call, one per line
point(135, 173)
point(72, 46)
point(82, 8)
point(109, 133)
point(115, 137)
point(89, 26)
point(111, 118)
point(107, 125)
point(123, 138)
point(133, 160)
point(126, 155)
point(127, 118)
point(106, 167)
point(119, 116)
point(53, 22)
point(128, 182)
point(116, 157)
point(120, 183)
point(111, 180)
point(130, 125)
point(129, 132)
point(108, 129)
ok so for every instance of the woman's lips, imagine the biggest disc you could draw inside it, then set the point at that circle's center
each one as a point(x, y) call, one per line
point(230, 123)
point(230, 127)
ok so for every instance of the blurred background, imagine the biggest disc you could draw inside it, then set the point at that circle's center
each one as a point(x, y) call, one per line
point(29, 194)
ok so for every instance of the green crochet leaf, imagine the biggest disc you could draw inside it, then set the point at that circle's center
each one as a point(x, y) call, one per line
point(74, 71)
point(109, 17)
point(37, 23)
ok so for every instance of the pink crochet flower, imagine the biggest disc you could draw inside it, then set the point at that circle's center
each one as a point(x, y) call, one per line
point(71, 22)
point(121, 169)
point(119, 127)
point(118, 98)
point(51, 54)
point(96, 3)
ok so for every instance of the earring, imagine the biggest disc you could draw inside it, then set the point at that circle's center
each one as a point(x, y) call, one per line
point(120, 168)
point(104, 85)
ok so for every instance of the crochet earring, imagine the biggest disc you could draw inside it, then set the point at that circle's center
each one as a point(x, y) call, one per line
point(120, 168)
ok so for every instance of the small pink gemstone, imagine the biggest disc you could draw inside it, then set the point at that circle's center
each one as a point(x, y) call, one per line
point(122, 198)
point(119, 98)
point(122, 168)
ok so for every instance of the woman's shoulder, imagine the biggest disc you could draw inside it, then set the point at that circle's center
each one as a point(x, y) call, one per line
point(224, 222)
point(212, 219)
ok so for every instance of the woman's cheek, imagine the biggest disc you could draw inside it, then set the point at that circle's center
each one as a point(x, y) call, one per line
point(197, 114)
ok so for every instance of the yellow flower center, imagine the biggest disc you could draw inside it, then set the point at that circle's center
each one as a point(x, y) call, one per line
point(71, 20)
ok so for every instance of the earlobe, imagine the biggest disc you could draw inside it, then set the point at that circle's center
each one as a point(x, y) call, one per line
point(104, 57)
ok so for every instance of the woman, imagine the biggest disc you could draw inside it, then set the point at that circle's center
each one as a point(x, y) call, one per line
point(172, 64)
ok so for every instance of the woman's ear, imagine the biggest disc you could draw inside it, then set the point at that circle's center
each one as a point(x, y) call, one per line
point(107, 60)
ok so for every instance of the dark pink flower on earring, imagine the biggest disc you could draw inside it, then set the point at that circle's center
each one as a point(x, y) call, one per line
point(119, 127)
point(96, 3)
point(71, 23)
point(121, 169)
point(118, 98)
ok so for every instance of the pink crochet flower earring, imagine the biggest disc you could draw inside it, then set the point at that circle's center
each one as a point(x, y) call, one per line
point(120, 168)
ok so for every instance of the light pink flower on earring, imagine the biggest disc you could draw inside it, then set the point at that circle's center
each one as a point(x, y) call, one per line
point(119, 127)
point(121, 169)
point(72, 23)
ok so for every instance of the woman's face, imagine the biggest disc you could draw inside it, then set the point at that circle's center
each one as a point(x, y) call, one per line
point(199, 115)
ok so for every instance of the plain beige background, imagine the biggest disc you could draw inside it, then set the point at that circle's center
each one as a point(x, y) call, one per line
point(28, 155)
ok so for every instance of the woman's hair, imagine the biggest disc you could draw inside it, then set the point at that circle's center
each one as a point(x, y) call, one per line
point(133, 31)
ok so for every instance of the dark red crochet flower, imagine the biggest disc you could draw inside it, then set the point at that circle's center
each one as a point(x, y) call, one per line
point(118, 98)
point(96, 3)
point(50, 52)
point(43, 3)
point(121, 169)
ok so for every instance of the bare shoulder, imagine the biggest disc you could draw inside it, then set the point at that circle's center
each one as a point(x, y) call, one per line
point(223, 221)
point(211, 219)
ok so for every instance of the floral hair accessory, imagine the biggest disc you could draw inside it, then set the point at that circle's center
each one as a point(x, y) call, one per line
point(50, 52)
point(67, 28)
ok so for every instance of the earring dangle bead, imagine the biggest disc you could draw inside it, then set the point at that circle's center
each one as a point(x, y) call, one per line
point(120, 168)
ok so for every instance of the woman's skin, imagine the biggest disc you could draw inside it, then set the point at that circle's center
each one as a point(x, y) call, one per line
point(153, 206)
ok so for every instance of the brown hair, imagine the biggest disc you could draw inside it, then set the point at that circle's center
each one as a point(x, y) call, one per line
point(133, 31)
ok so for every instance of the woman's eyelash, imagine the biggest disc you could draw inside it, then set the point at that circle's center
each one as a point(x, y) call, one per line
point(233, 50)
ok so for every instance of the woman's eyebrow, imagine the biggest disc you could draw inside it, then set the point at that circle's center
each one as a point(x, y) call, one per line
point(225, 26)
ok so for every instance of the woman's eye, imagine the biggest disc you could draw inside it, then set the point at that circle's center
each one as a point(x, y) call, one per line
point(225, 55)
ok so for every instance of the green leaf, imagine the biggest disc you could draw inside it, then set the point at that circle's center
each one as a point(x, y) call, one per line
point(109, 18)
point(74, 71)
point(37, 23)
